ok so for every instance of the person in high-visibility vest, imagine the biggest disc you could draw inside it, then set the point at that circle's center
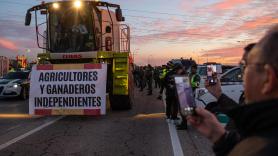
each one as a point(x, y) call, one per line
point(162, 75)
point(194, 78)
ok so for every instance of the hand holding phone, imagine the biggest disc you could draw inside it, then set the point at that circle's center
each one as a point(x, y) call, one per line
point(185, 96)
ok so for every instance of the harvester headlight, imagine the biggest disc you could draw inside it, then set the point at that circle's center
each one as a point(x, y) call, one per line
point(55, 5)
point(77, 4)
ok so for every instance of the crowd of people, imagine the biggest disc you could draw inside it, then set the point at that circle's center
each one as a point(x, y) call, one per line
point(163, 78)
point(255, 123)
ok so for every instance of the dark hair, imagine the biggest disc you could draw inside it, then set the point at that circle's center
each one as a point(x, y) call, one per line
point(268, 46)
point(247, 50)
point(249, 47)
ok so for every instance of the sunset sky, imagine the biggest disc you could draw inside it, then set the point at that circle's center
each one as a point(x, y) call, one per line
point(213, 30)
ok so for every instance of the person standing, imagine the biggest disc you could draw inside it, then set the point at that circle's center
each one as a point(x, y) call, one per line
point(162, 76)
point(256, 121)
point(135, 73)
point(194, 78)
point(149, 78)
point(141, 78)
point(172, 105)
point(156, 78)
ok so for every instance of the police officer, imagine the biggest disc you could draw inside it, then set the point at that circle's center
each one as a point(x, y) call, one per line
point(149, 78)
point(162, 76)
point(172, 106)
point(141, 77)
point(194, 78)
point(156, 77)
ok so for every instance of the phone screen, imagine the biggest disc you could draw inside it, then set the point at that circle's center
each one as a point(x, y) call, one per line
point(211, 70)
point(185, 95)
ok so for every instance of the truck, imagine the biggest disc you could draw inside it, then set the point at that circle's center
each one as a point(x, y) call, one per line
point(81, 32)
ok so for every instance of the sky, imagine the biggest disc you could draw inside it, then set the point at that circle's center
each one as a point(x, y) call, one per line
point(161, 30)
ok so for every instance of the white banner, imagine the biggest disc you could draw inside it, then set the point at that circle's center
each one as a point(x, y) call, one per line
point(75, 91)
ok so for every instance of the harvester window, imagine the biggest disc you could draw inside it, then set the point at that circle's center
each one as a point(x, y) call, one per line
point(72, 30)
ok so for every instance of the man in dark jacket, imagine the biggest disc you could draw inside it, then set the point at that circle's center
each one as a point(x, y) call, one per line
point(172, 106)
point(256, 121)
point(141, 76)
point(149, 79)
point(156, 77)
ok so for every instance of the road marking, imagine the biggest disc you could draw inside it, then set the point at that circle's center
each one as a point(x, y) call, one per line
point(13, 127)
point(29, 133)
point(18, 116)
point(176, 145)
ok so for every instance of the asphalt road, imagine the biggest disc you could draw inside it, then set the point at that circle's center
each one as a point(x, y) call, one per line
point(141, 131)
point(13, 106)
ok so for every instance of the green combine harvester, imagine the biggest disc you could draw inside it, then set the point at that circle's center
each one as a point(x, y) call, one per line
point(80, 32)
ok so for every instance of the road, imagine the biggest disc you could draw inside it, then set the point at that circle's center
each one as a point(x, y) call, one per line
point(141, 131)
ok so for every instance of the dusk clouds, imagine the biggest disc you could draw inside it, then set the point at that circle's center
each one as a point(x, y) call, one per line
point(162, 30)
point(220, 27)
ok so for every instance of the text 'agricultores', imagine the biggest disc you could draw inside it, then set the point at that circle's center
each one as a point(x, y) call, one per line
point(68, 76)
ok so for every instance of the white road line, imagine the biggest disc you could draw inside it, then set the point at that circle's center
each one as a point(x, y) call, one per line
point(176, 145)
point(29, 133)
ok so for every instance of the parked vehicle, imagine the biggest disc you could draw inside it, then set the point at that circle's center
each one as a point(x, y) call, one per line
point(15, 84)
point(231, 84)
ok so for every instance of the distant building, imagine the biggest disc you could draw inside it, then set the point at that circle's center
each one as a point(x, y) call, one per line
point(4, 65)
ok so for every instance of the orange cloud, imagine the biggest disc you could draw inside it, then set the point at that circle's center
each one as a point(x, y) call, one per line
point(259, 22)
point(207, 32)
point(229, 4)
point(225, 52)
point(230, 55)
point(8, 44)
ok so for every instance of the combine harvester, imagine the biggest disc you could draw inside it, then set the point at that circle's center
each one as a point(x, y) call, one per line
point(86, 33)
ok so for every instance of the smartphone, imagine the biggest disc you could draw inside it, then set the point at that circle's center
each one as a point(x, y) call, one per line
point(185, 95)
point(211, 71)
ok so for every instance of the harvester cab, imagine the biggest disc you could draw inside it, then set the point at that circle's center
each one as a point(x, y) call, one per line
point(79, 32)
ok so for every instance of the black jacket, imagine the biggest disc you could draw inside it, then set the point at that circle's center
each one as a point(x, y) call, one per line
point(226, 104)
point(170, 83)
point(257, 126)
